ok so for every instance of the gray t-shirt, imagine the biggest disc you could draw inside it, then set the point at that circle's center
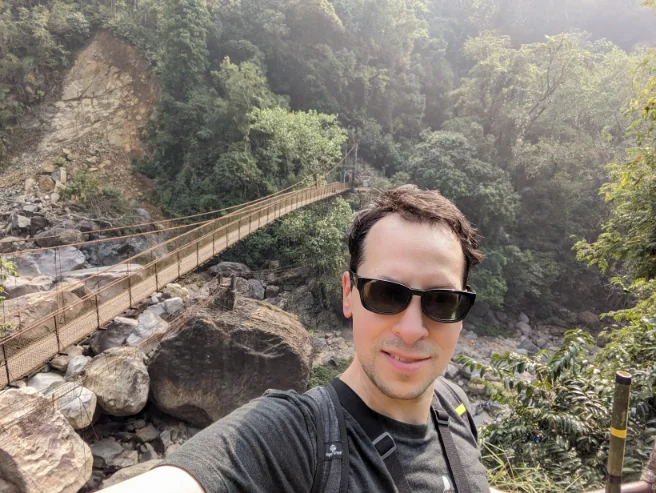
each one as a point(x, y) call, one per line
point(269, 445)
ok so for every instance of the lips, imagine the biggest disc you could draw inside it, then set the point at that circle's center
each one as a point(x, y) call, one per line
point(405, 363)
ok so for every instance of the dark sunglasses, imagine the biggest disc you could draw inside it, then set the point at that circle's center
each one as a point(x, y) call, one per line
point(391, 298)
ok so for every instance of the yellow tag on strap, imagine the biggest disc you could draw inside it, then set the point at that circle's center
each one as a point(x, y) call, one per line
point(461, 409)
point(618, 433)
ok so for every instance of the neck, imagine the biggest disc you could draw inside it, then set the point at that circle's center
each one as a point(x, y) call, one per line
point(410, 411)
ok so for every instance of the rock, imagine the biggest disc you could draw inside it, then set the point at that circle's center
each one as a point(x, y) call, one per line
point(228, 268)
point(30, 209)
point(147, 453)
point(173, 305)
point(501, 316)
point(76, 365)
point(460, 349)
point(66, 153)
point(222, 360)
point(126, 392)
point(529, 347)
point(43, 262)
point(256, 290)
point(60, 363)
point(29, 184)
point(47, 168)
point(476, 388)
point(271, 291)
point(524, 318)
point(59, 175)
point(451, 371)
point(127, 458)
point(7, 244)
point(542, 343)
point(85, 226)
point(114, 334)
point(482, 419)
point(523, 352)
point(19, 221)
point(105, 450)
point(130, 472)
point(148, 433)
point(113, 251)
point(174, 290)
point(46, 184)
point(524, 328)
point(40, 450)
point(148, 325)
point(165, 437)
point(319, 344)
point(76, 403)
point(14, 287)
point(41, 382)
point(64, 236)
point(92, 160)
point(172, 449)
point(35, 308)
point(37, 223)
point(54, 198)
point(588, 319)
point(471, 336)
point(105, 276)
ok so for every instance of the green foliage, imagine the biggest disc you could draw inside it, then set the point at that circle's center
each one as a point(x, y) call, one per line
point(560, 407)
point(324, 374)
point(83, 186)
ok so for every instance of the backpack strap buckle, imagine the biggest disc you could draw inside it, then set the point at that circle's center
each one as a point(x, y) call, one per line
point(385, 445)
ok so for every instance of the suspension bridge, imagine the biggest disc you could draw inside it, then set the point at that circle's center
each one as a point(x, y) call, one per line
point(32, 345)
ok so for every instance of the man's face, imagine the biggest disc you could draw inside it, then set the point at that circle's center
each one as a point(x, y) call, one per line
point(420, 256)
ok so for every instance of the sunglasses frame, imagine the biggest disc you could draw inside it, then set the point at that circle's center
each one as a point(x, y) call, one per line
point(361, 281)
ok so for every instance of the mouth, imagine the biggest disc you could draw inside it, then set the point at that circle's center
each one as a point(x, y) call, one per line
point(405, 364)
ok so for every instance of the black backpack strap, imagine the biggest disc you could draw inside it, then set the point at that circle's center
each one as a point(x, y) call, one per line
point(381, 439)
point(458, 401)
point(331, 474)
point(451, 456)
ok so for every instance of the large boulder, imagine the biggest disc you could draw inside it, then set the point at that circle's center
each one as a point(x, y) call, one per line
point(226, 269)
point(43, 262)
point(34, 310)
point(41, 382)
point(149, 324)
point(76, 403)
point(223, 359)
point(119, 379)
point(20, 286)
point(112, 251)
point(40, 450)
point(58, 236)
point(113, 335)
point(97, 278)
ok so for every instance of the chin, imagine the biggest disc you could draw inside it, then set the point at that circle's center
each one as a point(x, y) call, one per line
point(398, 387)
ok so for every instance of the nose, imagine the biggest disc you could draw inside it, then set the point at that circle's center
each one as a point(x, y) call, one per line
point(410, 324)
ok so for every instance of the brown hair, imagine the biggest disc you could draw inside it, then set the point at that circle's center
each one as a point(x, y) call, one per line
point(415, 205)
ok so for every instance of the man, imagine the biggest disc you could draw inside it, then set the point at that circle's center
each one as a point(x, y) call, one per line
point(404, 338)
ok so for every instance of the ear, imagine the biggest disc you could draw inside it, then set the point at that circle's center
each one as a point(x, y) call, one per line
point(346, 295)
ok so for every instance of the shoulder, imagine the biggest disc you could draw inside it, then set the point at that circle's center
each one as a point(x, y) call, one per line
point(269, 440)
point(455, 402)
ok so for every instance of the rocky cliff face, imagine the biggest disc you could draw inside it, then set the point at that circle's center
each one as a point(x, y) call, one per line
point(106, 99)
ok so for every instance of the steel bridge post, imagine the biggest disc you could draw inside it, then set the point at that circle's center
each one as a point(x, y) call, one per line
point(4, 355)
point(57, 334)
point(98, 312)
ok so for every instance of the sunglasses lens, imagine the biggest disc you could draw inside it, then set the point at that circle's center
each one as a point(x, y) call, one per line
point(445, 306)
point(385, 297)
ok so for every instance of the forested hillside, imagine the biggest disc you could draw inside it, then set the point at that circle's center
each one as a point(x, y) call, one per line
point(514, 110)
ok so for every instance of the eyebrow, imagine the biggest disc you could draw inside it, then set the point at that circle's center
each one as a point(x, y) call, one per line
point(439, 286)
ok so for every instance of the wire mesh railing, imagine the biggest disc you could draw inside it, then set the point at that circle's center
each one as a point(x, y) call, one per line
point(83, 307)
